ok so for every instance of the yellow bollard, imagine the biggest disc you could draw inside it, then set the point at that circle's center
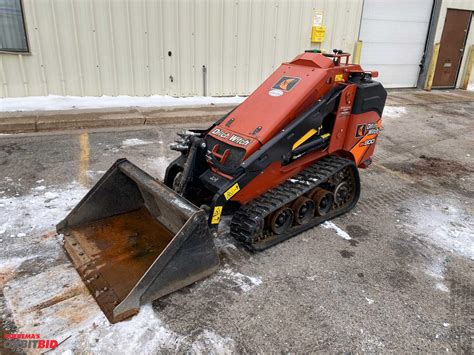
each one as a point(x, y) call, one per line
point(432, 68)
point(468, 70)
point(357, 52)
point(84, 158)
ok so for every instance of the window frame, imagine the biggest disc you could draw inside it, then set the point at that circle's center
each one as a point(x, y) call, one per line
point(25, 29)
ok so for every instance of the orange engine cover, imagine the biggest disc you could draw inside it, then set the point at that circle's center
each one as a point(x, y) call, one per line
point(290, 90)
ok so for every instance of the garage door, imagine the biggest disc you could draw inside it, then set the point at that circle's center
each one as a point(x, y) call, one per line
point(393, 33)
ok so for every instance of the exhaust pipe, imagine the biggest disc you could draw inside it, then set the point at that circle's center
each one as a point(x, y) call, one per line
point(133, 240)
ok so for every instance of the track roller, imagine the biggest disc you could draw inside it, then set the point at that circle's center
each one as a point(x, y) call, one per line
point(303, 209)
point(281, 220)
point(323, 200)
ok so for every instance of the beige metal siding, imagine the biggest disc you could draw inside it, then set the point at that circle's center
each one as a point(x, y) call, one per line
point(120, 47)
point(461, 5)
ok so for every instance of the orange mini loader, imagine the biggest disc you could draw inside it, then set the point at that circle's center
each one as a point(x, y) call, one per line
point(283, 161)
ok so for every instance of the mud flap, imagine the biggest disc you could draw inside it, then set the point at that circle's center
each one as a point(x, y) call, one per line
point(133, 240)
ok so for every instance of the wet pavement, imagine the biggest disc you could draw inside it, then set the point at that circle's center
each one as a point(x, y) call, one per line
point(402, 282)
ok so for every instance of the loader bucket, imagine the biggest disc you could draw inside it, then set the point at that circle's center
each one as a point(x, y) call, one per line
point(133, 240)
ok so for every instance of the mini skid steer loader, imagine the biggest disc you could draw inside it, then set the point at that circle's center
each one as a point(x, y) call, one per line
point(283, 161)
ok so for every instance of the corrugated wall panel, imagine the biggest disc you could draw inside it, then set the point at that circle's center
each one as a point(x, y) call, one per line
point(241, 31)
point(138, 49)
point(103, 46)
point(70, 68)
point(147, 47)
point(13, 81)
point(87, 50)
point(185, 56)
point(155, 57)
point(199, 50)
point(3, 81)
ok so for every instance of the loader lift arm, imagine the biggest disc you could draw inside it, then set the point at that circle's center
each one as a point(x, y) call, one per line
point(278, 149)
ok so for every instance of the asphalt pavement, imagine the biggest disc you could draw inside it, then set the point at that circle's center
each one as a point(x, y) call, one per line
point(402, 282)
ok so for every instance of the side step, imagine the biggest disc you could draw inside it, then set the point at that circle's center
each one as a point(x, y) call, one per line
point(133, 240)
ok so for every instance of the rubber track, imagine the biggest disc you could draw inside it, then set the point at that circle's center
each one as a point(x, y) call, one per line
point(246, 221)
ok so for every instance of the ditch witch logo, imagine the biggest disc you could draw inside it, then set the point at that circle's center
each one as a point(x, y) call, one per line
point(231, 138)
point(21, 342)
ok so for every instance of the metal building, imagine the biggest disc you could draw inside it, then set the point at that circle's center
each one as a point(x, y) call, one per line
point(144, 47)
point(210, 47)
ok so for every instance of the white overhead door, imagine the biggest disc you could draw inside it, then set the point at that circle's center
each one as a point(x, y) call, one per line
point(393, 33)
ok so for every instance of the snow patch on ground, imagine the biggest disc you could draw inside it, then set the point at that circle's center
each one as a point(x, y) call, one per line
point(444, 223)
point(243, 282)
point(38, 211)
point(157, 166)
point(442, 287)
point(51, 195)
point(55, 102)
point(134, 141)
point(339, 231)
point(9, 265)
point(145, 331)
point(437, 270)
point(95, 174)
point(210, 342)
point(64, 309)
point(394, 111)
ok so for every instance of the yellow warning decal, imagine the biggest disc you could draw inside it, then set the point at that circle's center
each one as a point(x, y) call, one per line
point(303, 139)
point(339, 77)
point(216, 215)
point(232, 191)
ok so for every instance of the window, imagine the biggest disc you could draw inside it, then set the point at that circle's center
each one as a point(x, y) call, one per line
point(12, 27)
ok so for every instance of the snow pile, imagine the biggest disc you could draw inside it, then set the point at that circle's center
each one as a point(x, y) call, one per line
point(38, 211)
point(394, 111)
point(58, 308)
point(339, 231)
point(55, 102)
point(147, 332)
point(134, 141)
point(66, 311)
point(444, 224)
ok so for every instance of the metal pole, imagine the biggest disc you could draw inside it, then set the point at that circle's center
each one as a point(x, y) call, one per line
point(204, 80)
